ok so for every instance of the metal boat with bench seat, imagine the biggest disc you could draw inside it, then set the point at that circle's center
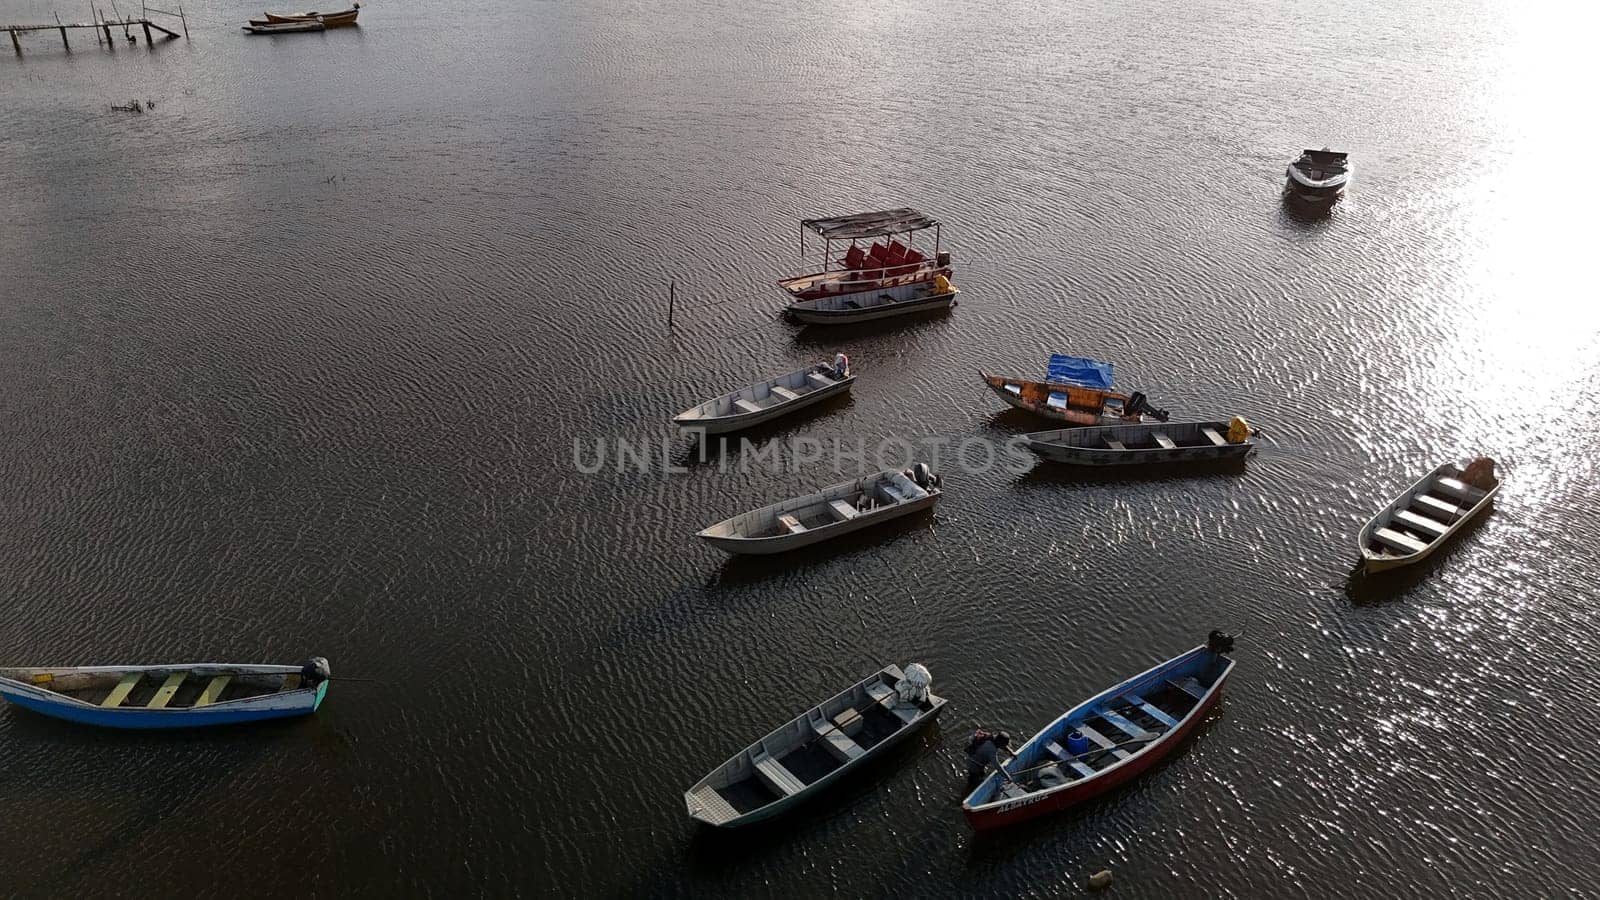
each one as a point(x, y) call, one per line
point(1423, 518)
point(816, 748)
point(761, 403)
point(829, 513)
point(1144, 444)
point(171, 696)
point(1106, 740)
point(879, 303)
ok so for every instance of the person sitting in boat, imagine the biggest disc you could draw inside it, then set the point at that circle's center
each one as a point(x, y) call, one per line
point(983, 751)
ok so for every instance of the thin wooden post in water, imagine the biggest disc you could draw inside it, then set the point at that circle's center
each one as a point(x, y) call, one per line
point(16, 43)
point(184, 21)
point(672, 299)
point(92, 30)
point(107, 26)
point(147, 40)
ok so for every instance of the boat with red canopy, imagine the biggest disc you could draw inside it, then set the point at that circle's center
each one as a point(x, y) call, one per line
point(870, 251)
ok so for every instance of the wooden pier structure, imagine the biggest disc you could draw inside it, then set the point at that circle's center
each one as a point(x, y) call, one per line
point(101, 23)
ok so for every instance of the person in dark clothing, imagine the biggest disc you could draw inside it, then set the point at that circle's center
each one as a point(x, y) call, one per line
point(984, 751)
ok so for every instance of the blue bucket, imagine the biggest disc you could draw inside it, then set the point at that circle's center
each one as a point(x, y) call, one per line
point(1077, 744)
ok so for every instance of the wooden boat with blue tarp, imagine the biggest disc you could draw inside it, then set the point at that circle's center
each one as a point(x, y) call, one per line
point(170, 696)
point(816, 748)
point(1076, 390)
point(1106, 740)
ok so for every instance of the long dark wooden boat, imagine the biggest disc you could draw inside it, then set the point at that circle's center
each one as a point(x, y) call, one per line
point(328, 20)
point(872, 255)
point(1144, 444)
point(168, 696)
point(284, 27)
point(816, 748)
point(1424, 517)
point(1105, 741)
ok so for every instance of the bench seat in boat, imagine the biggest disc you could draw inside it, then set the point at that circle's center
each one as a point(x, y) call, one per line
point(1104, 742)
point(1115, 445)
point(889, 700)
point(1165, 442)
point(775, 776)
point(1060, 752)
point(1437, 508)
point(784, 393)
point(1420, 523)
point(122, 690)
point(1212, 436)
point(213, 690)
point(1398, 541)
point(1150, 710)
point(846, 511)
point(838, 743)
point(744, 405)
point(819, 381)
point(168, 688)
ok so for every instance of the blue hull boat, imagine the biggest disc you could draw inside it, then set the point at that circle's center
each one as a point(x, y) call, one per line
point(169, 696)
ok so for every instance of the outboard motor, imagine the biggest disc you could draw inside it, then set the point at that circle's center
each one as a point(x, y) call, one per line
point(1140, 404)
point(1219, 642)
point(315, 671)
point(841, 366)
point(915, 686)
point(923, 476)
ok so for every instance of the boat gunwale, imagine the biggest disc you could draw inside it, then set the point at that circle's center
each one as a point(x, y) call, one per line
point(8, 676)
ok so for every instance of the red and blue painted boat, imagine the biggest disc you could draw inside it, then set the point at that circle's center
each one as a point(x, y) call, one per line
point(169, 696)
point(1105, 741)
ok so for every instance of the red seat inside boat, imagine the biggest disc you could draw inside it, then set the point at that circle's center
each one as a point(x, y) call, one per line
point(855, 257)
point(878, 257)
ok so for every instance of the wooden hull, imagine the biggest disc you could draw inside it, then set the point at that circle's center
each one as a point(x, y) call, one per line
point(17, 686)
point(1137, 445)
point(933, 302)
point(1420, 521)
point(705, 418)
point(1084, 406)
point(328, 20)
point(1002, 811)
point(710, 807)
point(284, 28)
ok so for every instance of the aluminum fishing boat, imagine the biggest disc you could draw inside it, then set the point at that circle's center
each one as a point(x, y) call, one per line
point(763, 402)
point(829, 513)
point(1145, 444)
point(1427, 514)
point(816, 748)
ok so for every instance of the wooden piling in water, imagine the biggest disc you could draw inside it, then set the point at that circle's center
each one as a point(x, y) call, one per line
point(64, 43)
point(16, 43)
point(148, 42)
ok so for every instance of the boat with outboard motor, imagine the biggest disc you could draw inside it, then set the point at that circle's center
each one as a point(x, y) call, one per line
point(829, 513)
point(1144, 444)
point(1427, 514)
point(1318, 175)
point(887, 261)
point(168, 696)
point(1078, 391)
point(816, 748)
point(1106, 740)
point(763, 402)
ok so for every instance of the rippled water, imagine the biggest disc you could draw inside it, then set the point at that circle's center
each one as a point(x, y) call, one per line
point(295, 362)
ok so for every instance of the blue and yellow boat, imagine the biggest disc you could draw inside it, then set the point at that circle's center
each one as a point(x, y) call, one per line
point(170, 696)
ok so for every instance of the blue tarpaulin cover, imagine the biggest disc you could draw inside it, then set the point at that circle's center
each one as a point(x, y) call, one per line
point(1077, 370)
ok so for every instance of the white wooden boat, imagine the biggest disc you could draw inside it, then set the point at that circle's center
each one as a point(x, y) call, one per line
point(1420, 520)
point(1132, 445)
point(882, 303)
point(168, 696)
point(770, 399)
point(829, 513)
point(816, 748)
point(1318, 175)
point(284, 27)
